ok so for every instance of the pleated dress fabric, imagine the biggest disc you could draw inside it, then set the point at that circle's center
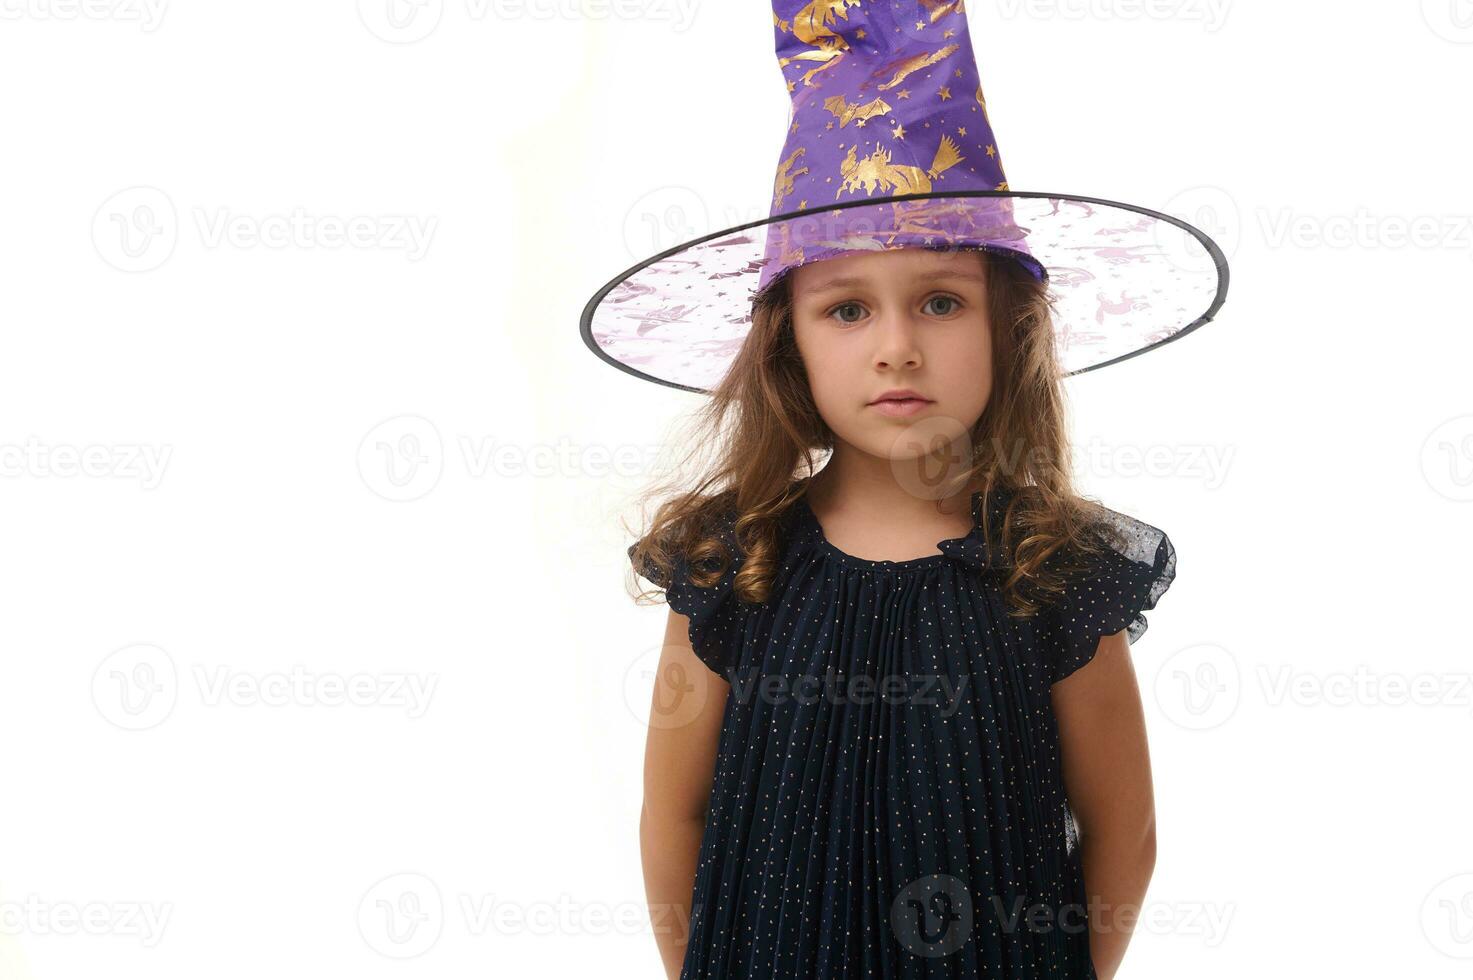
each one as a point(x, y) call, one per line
point(887, 800)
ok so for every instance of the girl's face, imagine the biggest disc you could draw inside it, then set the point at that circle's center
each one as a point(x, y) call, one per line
point(907, 318)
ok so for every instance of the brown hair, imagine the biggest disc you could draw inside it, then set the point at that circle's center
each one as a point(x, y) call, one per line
point(762, 428)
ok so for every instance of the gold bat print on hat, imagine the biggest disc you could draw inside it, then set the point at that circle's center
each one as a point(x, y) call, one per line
point(854, 112)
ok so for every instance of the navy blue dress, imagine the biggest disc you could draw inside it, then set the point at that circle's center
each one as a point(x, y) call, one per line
point(887, 800)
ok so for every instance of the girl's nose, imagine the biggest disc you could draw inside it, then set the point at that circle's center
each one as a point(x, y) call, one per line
point(896, 343)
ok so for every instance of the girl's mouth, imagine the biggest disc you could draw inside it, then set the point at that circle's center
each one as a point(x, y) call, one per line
point(900, 407)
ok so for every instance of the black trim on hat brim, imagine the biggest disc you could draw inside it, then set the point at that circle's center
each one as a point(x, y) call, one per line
point(585, 323)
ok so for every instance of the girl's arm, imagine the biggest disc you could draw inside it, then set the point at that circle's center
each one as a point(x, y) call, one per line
point(1107, 777)
point(679, 759)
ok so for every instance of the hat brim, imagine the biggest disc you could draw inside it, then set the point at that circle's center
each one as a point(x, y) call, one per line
point(1123, 280)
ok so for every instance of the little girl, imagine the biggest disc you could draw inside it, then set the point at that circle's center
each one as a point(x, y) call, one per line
point(909, 731)
point(895, 731)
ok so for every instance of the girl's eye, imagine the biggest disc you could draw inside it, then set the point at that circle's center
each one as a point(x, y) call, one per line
point(855, 306)
point(944, 299)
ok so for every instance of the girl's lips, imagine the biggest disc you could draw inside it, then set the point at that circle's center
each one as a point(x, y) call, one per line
point(900, 407)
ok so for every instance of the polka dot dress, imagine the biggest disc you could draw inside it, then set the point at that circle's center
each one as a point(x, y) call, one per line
point(887, 800)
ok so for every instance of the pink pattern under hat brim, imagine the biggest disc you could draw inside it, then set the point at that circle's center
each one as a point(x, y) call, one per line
point(1123, 279)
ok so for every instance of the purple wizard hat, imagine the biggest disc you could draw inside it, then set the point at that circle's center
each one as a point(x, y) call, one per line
point(889, 146)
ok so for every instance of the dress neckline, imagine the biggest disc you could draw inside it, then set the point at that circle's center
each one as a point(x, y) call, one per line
point(969, 547)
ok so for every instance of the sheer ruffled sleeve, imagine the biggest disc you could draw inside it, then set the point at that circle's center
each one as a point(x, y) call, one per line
point(1112, 594)
point(714, 611)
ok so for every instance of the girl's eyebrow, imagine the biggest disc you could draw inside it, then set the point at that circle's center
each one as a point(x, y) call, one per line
point(846, 282)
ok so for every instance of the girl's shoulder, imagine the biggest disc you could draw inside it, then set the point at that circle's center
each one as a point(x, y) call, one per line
point(1109, 585)
point(699, 586)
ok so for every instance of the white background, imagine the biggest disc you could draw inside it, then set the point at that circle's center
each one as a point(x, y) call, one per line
point(233, 458)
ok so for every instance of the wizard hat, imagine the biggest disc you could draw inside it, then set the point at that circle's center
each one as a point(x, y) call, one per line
point(889, 146)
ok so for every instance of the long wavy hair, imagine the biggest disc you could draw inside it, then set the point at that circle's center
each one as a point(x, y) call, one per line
point(764, 440)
